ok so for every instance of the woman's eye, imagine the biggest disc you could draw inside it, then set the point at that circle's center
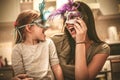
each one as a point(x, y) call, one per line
point(72, 17)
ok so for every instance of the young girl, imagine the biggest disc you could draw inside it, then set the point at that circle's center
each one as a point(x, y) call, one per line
point(34, 54)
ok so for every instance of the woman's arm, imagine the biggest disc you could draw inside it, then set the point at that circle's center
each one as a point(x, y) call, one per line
point(96, 64)
point(82, 70)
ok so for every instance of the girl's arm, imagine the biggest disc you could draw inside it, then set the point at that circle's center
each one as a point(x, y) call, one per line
point(17, 62)
point(57, 72)
point(54, 61)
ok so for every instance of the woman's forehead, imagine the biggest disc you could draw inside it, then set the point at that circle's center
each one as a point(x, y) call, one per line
point(73, 14)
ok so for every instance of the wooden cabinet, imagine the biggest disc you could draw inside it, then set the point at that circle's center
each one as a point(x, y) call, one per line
point(6, 73)
point(105, 73)
point(115, 65)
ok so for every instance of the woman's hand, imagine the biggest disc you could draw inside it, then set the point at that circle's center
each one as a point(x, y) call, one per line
point(81, 30)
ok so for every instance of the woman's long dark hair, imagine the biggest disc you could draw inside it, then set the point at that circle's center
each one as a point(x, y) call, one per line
point(88, 18)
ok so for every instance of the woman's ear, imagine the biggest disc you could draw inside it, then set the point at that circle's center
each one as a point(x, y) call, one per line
point(28, 28)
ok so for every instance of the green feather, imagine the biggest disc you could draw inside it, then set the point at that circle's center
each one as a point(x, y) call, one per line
point(41, 9)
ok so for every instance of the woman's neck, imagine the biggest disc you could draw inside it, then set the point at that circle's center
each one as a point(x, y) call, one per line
point(88, 42)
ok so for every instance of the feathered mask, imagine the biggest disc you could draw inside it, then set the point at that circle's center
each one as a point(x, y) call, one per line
point(41, 9)
point(68, 11)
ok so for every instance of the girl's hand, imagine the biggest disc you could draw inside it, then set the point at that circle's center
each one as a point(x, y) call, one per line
point(28, 79)
point(22, 76)
point(81, 30)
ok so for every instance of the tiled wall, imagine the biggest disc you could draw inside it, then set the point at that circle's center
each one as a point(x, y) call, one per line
point(6, 40)
point(103, 24)
point(6, 31)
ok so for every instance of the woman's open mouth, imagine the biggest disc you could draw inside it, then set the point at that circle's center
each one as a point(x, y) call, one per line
point(72, 29)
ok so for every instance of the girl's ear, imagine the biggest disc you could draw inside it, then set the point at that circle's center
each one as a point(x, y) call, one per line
point(28, 28)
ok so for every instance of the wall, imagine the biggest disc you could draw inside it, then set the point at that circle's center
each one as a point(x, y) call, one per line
point(104, 22)
point(88, 1)
point(108, 7)
point(9, 9)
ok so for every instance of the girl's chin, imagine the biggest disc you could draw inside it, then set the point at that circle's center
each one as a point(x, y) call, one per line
point(42, 39)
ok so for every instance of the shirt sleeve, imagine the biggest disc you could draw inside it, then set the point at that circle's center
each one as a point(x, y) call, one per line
point(103, 48)
point(17, 62)
point(53, 54)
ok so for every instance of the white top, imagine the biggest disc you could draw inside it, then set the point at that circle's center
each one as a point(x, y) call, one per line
point(35, 60)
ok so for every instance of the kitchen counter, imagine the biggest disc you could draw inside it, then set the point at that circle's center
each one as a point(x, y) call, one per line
point(111, 68)
point(112, 57)
point(115, 66)
point(6, 73)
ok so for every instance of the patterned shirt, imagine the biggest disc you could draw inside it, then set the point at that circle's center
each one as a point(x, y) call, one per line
point(35, 60)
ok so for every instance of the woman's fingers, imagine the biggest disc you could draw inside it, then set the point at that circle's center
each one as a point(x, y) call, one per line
point(82, 23)
point(81, 30)
point(80, 26)
point(77, 25)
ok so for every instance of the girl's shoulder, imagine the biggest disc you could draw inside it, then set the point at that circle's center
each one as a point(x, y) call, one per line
point(58, 37)
point(48, 40)
point(17, 46)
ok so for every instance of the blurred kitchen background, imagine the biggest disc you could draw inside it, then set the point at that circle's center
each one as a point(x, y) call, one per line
point(107, 21)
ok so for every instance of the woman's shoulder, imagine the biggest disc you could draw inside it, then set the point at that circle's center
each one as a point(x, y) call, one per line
point(102, 47)
point(97, 48)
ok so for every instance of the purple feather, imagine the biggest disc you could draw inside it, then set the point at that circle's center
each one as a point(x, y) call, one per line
point(63, 9)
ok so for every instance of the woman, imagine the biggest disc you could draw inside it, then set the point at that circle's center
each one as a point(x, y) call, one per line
point(82, 54)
